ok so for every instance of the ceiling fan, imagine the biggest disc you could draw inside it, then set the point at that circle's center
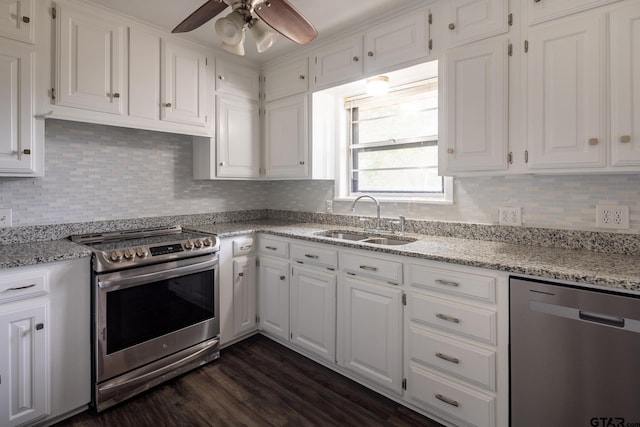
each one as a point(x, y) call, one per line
point(277, 14)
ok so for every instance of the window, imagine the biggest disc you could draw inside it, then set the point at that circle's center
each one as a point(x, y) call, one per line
point(393, 144)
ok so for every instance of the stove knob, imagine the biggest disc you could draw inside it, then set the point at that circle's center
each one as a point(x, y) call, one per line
point(197, 244)
point(128, 254)
point(141, 252)
point(188, 244)
point(207, 242)
point(115, 256)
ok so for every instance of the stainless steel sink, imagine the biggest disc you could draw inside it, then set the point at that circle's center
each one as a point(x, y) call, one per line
point(355, 236)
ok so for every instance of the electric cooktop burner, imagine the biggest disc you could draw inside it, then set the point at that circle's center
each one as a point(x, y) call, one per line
point(127, 249)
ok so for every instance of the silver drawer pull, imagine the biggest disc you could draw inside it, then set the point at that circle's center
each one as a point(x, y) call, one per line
point(245, 248)
point(271, 248)
point(448, 400)
point(368, 268)
point(311, 256)
point(448, 358)
point(447, 283)
point(448, 318)
point(19, 288)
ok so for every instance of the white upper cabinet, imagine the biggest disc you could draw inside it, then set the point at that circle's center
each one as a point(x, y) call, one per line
point(286, 79)
point(17, 20)
point(237, 79)
point(472, 20)
point(545, 10)
point(144, 74)
point(286, 137)
point(183, 90)
point(566, 69)
point(400, 40)
point(476, 108)
point(338, 62)
point(90, 61)
point(20, 153)
point(238, 137)
point(625, 85)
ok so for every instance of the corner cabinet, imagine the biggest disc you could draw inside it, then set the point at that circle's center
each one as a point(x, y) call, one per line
point(273, 287)
point(238, 137)
point(473, 20)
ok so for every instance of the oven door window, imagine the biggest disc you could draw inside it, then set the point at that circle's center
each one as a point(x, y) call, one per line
point(141, 313)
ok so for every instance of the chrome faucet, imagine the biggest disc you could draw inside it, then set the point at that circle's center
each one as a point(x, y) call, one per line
point(353, 207)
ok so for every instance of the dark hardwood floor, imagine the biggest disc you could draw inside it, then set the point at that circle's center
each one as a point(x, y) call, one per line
point(256, 382)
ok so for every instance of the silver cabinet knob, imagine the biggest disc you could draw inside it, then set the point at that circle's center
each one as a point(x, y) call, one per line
point(26, 19)
point(302, 162)
point(450, 150)
point(220, 77)
point(221, 163)
point(593, 141)
point(241, 274)
point(452, 26)
point(356, 59)
point(370, 53)
point(302, 77)
point(168, 105)
point(116, 95)
point(625, 138)
point(282, 277)
point(26, 151)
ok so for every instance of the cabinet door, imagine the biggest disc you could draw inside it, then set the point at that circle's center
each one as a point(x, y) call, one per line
point(625, 86)
point(24, 365)
point(545, 10)
point(370, 331)
point(237, 79)
point(566, 103)
point(184, 90)
point(273, 291)
point(313, 312)
point(17, 149)
point(476, 108)
point(286, 138)
point(244, 295)
point(90, 61)
point(471, 20)
point(238, 136)
point(286, 79)
point(401, 40)
point(144, 74)
point(17, 20)
point(338, 62)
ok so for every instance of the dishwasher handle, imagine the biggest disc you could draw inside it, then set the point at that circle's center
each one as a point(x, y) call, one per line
point(618, 322)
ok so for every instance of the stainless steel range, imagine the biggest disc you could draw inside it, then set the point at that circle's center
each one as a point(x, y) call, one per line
point(155, 308)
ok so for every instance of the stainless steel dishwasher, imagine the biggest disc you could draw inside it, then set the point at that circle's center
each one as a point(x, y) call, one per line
point(575, 356)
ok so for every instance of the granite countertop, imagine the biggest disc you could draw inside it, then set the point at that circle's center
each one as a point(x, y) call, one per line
point(581, 266)
point(20, 254)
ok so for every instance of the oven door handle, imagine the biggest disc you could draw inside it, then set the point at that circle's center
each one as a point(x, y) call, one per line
point(138, 279)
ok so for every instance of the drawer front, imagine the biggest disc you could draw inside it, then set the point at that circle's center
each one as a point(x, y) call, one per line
point(19, 286)
point(244, 246)
point(382, 269)
point(465, 361)
point(315, 256)
point(426, 388)
point(274, 248)
point(475, 286)
point(451, 316)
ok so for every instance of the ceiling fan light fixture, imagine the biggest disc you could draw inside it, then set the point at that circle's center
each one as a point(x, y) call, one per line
point(264, 37)
point(230, 28)
point(237, 48)
point(378, 85)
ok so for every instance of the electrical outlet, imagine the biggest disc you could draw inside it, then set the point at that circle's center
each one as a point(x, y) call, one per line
point(510, 215)
point(612, 216)
point(5, 218)
point(329, 207)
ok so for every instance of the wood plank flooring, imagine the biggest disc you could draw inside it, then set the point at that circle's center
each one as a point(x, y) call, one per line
point(256, 382)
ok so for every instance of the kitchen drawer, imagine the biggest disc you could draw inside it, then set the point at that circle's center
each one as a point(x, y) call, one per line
point(274, 247)
point(244, 246)
point(475, 286)
point(468, 362)
point(20, 285)
point(312, 255)
point(427, 388)
point(382, 269)
point(451, 316)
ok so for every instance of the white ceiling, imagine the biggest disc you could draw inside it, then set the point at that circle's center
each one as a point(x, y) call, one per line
point(328, 16)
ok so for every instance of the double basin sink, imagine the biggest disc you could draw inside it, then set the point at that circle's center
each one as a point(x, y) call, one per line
point(363, 237)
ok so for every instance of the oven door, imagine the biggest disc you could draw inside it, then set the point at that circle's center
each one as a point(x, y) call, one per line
point(147, 313)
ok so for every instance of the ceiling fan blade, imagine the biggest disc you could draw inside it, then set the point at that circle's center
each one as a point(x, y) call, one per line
point(203, 14)
point(285, 19)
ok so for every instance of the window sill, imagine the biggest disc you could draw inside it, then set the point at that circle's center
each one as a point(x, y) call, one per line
point(397, 200)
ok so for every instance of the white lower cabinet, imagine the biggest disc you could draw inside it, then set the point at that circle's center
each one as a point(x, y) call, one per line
point(370, 323)
point(273, 294)
point(244, 295)
point(24, 363)
point(44, 346)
